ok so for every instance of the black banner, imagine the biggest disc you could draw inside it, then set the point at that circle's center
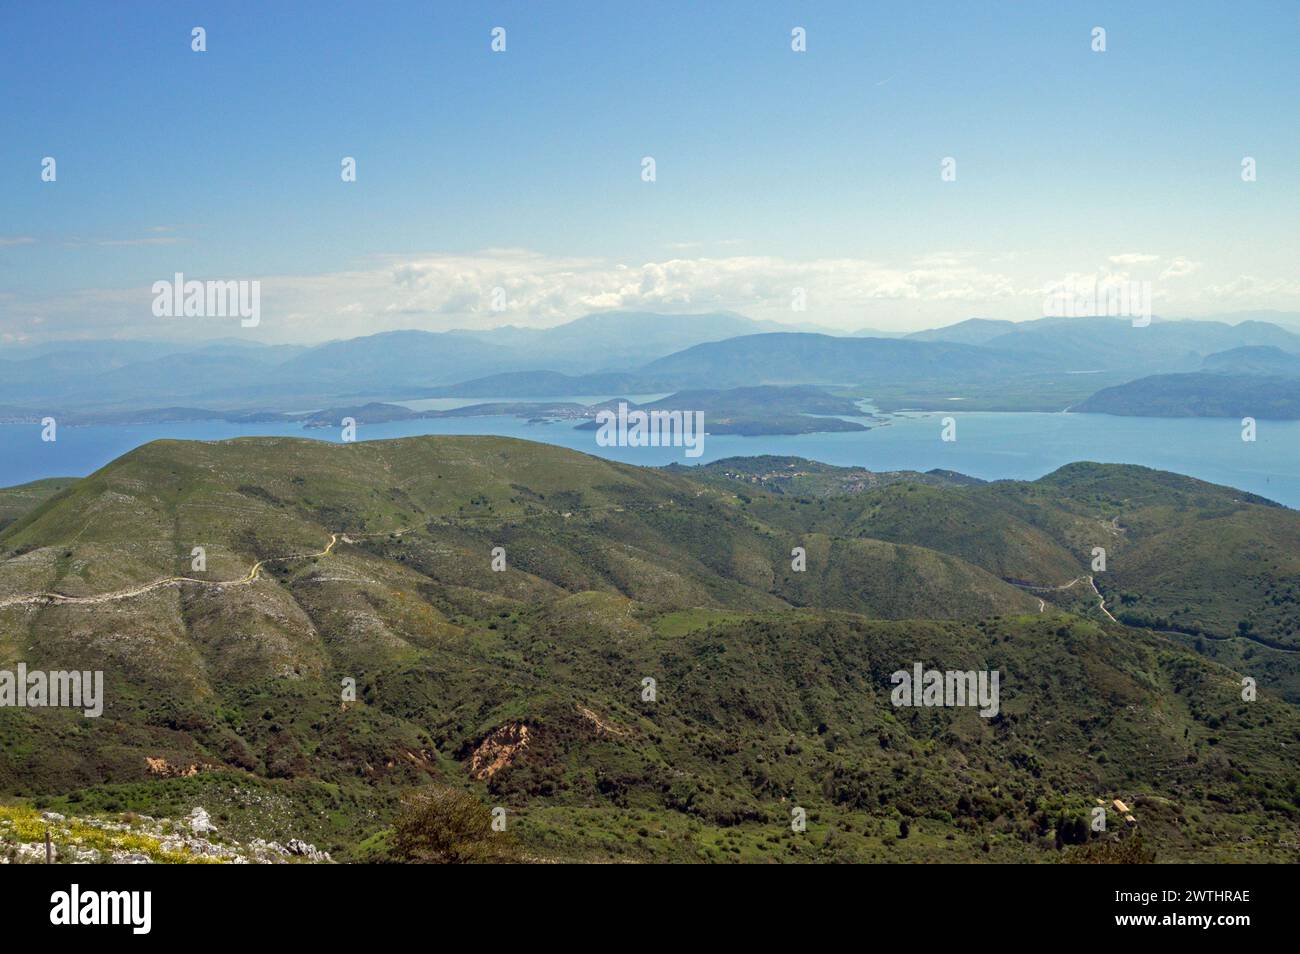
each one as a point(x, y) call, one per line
point(140, 904)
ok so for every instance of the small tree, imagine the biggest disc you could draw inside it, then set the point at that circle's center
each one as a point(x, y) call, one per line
point(441, 825)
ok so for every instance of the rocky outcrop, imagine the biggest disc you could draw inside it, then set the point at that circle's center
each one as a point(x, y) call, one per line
point(137, 840)
point(499, 749)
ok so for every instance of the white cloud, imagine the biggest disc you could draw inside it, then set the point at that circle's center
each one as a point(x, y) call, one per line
point(441, 291)
point(131, 242)
point(445, 291)
point(1179, 267)
point(1253, 290)
point(1133, 258)
point(160, 235)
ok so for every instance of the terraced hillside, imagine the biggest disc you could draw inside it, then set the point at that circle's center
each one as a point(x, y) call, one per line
point(524, 683)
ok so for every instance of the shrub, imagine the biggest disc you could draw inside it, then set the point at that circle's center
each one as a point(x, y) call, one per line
point(442, 825)
point(1119, 851)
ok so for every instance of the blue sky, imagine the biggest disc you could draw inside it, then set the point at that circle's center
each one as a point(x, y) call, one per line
point(521, 169)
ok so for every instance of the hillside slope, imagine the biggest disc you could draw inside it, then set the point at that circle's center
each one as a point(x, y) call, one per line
point(1200, 394)
point(227, 687)
point(17, 501)
point(1181, 554)
point(801, 358)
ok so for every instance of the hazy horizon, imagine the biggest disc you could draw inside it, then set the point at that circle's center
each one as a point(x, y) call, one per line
point(1282, 318)
point(898, 204)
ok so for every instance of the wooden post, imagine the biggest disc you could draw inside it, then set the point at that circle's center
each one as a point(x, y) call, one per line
point(49, 849)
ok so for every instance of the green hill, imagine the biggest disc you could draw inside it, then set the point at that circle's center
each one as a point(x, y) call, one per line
point(1182, 555)
point(1200, 394)
point(1254, 359)
point(17, 501)
point(524, 686)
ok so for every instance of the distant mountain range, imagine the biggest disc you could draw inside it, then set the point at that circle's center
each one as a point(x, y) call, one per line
point(986, 364)
point(134, 374)
point(990, 365)
point(972, 331)
point(619, 339)
point(1260, 381)
point(1114, 344)
point(823, 359)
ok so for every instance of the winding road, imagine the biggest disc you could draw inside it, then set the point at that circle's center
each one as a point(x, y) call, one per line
point(1101, 601)
point(1101, 605)
point(250, 577)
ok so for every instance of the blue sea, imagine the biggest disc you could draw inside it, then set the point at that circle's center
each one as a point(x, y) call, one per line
point(988, 445)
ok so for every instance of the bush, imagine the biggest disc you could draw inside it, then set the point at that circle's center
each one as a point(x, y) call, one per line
point(1116, 851)
point(445, 826)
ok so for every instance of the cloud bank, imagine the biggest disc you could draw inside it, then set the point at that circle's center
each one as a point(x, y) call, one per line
point(517, 286)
